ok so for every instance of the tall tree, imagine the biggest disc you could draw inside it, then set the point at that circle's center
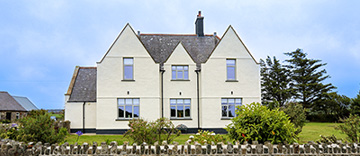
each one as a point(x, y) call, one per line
point(308, 76)
point(355, 104)
point(275, 83)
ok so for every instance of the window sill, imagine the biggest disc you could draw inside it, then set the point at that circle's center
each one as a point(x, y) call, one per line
point(125, 119)
point(231, 81)
point(180, 119)
point(179, 80)
point(129, 80)
point(223, 118)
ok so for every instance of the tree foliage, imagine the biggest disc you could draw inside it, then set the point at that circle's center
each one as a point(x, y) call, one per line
point(351, 127)
point(275, 83)
point(355, 104)
point(255, 122)
point(308, 76)
point(297, 115)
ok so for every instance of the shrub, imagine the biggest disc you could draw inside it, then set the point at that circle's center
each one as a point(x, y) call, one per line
point(150, 132)
point(257, 123)
point(328, 139)
point(38, 126)
point(203, 137)
point(351, 127)
point(297, 115)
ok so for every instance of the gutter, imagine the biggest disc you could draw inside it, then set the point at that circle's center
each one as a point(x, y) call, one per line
point(198, 96)
point(162, 92)
point(83, 117)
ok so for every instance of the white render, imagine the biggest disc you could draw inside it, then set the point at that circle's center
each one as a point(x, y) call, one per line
point(110, 86)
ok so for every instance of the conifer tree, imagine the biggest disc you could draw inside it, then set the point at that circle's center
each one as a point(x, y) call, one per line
point(308, 77)
point(275, 82)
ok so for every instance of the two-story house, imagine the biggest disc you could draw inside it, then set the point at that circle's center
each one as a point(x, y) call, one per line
point(193, 79)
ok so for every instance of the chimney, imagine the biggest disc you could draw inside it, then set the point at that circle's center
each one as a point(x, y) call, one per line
point(199, 25)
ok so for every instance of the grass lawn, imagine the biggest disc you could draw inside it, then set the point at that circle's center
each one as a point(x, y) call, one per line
point(310, 132)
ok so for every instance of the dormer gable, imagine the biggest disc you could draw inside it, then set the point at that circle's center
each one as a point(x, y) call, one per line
point(231, 46)
point(180, 56)
point(127, 44)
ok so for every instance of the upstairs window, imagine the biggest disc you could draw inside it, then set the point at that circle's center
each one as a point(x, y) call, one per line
point(128, 68)
point(231, 69)
point(180, 72)
point(228, 107)
point(179, 108)
point(128, 108)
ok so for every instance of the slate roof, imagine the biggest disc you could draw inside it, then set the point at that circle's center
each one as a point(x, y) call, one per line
point(83, 85)
point(8, 103)
point(25, 102)
point(160, 46)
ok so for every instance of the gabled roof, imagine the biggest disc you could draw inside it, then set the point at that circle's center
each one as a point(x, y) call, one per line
point(8, 103)
point(82, 87)
point(160, 46)
point(25, 102)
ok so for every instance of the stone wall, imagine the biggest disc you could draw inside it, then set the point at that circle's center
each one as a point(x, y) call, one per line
point(9, 147)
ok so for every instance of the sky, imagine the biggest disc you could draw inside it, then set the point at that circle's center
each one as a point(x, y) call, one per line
point(42, 41)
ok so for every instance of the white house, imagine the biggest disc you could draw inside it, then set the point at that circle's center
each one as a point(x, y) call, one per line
point(192, 79)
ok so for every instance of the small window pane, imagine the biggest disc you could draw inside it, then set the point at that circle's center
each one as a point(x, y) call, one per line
point(121, 101)
point(173, 75)
point(186, 68)
point(173, 111)
point(231, 101)
point(136, 101)
point(223, 101)
point(179, 68)
point(186, 75)
point(128, 72)
point(231, 111)
point(224, 111)
point(180, 101)
point(173, 67)
point(173, 102)
point(231, 73)
point(187, 111)
point(180, 75)
point(187, 101)
point(180, 111)
point(136, 111)
point(230, 62)
point(238, 101)
point(128, 61)
point(128, 101)
point(128, 113)
point(121, 111)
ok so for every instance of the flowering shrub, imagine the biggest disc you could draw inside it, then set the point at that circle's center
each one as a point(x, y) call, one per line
point(203, 137)
point(351, 127)
point(150, 132)
point(255, 122)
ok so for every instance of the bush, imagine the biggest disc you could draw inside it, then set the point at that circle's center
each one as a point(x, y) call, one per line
point(257, 123)
point(150, 132)
point(297, 115)
point(351, 127)
point(203, 137)
point(38, 126)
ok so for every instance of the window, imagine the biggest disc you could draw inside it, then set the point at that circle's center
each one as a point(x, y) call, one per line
point(231, 69)
point(228, 107)
point(128, 68)
point(180, 72)
point(17, 115)
point(179, 108)
point(128, 108)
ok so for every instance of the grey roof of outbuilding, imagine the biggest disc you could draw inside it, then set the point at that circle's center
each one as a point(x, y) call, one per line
point(160, 46)
point(25, 102)
point(8, 103)
point(84, 85)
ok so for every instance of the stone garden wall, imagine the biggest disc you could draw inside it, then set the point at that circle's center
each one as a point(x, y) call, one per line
point(9, 147)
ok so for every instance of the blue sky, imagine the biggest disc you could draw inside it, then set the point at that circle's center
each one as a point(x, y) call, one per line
point(41, 42)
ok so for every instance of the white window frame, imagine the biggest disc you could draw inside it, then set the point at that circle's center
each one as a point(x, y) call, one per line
point(177, 104)
point(227, 104)
point(133, 105)
point(128, 65)
point(174, 68)
point(227, 68)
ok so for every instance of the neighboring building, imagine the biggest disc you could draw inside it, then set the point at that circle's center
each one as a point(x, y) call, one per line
point(14, 107)
point(196, 80)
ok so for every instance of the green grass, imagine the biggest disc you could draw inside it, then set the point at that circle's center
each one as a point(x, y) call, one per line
point(310, 132)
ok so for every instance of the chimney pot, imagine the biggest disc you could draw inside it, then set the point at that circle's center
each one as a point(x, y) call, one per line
point(199, 15)
point(139, 33)
point(215, 34)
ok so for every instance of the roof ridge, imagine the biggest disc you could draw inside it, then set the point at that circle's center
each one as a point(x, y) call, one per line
point(209, 35)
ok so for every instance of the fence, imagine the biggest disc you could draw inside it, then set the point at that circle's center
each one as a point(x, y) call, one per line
point(9, 147)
